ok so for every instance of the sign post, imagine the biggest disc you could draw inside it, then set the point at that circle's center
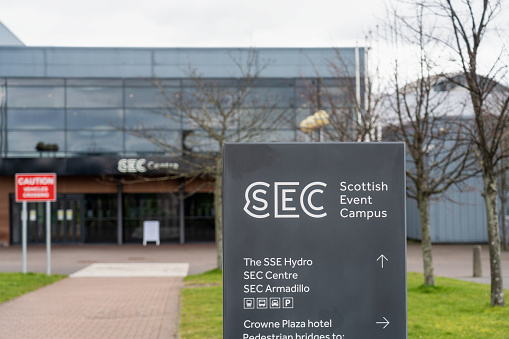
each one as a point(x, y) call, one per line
point(314, 241)
point(48, 238)
point(32, 187)
point(24, 220)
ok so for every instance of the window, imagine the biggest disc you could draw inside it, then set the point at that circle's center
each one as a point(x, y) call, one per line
point(27, 141)
point(137, 145)
point(94, 119)
point(161, 207)
point(35, 97)
point(89, 143)
point(146, 97)
point(92, 96)
point(151, 119)
point(35, 119)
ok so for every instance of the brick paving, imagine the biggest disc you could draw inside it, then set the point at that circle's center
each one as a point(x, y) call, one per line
point(95, 308)
point(100, 307)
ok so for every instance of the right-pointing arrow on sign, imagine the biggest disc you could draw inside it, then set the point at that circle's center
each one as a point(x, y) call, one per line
point(386, 322)
point(383, 257)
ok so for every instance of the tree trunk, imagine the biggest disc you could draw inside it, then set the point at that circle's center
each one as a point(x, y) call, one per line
point(503, 202)
point(218, 208)
point(490, 196)
point(505, 243)
point(427, 257)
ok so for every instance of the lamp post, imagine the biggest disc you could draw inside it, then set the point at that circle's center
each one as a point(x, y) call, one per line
point(315, 122)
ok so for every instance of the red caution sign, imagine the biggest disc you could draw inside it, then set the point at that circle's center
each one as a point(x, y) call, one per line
point(36, 187)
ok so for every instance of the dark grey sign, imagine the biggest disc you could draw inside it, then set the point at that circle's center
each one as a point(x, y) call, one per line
point(314, 241)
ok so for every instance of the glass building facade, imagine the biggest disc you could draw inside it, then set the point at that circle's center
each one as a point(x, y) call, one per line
point(69, 110)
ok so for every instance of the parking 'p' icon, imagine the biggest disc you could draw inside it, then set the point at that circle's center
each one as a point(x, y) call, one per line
point(288, 302)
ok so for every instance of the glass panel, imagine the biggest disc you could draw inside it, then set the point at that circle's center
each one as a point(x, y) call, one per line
point(196, 141)
point(151, 83)
point(191, 97)
point(95, 142)
point(35, 82)
point(39, 97)
point(100, 230)
point(140, 119)
point(3, 94)
point(198, 118)
point(94, 119)
point(199, 205)
point(199, 229)
point(100, 218)
point(100, 206)
point(27, 141)
point(141, 207)
point(268, 96)
point(149, 97)
point(94, 82)
point(274, 82)
point(35, 224)
point(15, 210)
point(303, 113)
point(224, 96)
point(338, 96)
point(71, 221)
point(252, 119)
point(35, 119)
point(199, 217)
point(306, 94)
point(142, 145)
point(94, 97)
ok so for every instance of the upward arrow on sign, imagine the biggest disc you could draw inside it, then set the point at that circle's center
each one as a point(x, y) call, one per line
point(383, 257)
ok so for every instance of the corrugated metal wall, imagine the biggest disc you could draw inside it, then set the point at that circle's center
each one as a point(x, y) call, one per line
point(458, 217)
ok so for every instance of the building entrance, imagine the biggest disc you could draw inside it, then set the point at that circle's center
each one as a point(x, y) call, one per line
point(94, 218)
point(66, 221)
point(68, 226)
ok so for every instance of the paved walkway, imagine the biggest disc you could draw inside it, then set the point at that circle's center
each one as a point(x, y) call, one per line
point(95, 308)
point(456, 261)
point(128, 291)
point(67, 259)
point(144, 307)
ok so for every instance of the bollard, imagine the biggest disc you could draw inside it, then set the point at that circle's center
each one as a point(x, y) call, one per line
point(477, 261)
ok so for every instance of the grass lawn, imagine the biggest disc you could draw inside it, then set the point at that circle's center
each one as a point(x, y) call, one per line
point(453, 309)
point(202, 306)
point(13, 285)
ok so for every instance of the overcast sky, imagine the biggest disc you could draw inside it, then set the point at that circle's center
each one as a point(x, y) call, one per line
point(191, 23)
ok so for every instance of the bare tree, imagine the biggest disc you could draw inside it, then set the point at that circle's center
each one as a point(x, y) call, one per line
point(214, 112)
point(420, 114)
point(348, 95)
point(503, 191)
point(470, 22)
